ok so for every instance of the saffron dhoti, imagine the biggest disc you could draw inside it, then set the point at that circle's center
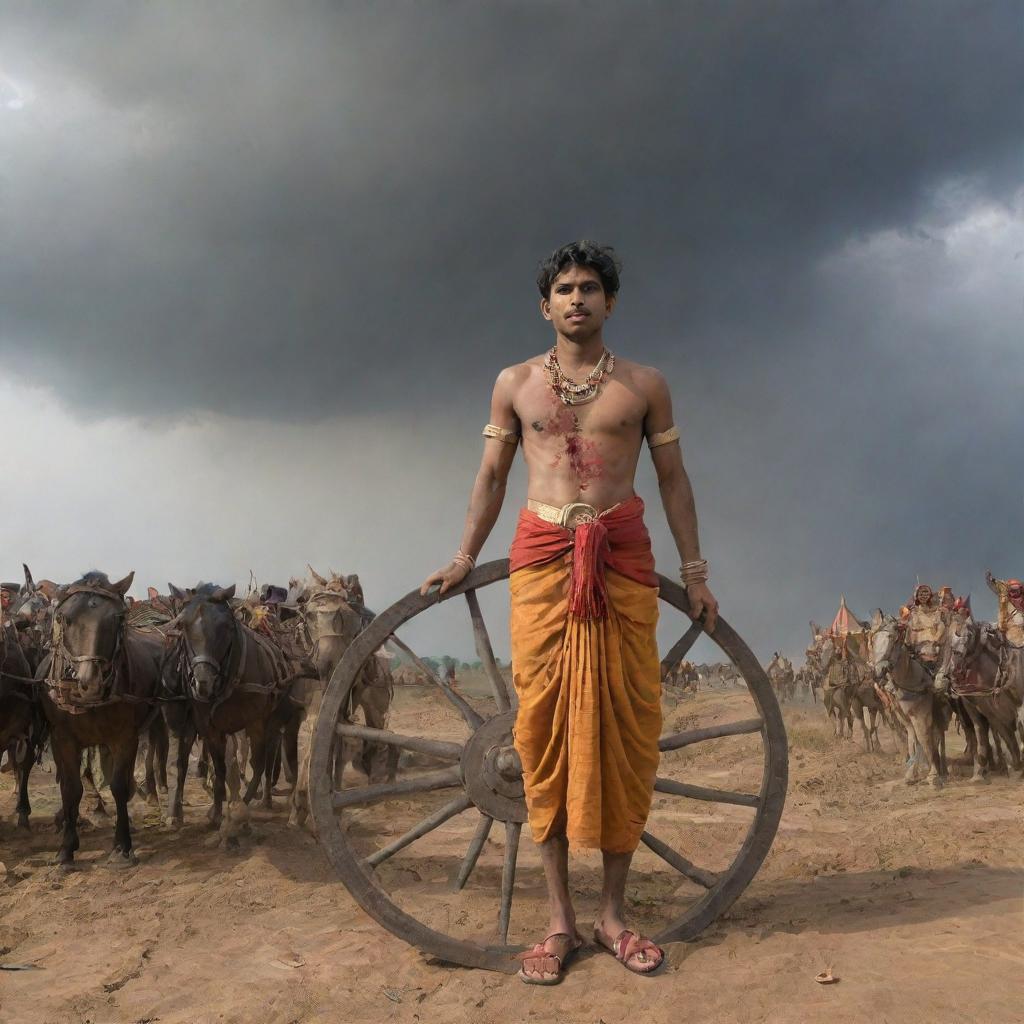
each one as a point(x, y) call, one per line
point(586, 669)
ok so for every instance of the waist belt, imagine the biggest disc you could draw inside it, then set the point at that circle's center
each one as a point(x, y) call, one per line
point(570, 516)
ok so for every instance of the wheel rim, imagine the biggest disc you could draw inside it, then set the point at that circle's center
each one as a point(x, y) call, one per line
point(488, 780)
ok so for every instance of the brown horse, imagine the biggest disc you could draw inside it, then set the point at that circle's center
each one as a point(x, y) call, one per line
point(233, 679)
point(987, 675)
point(99, 683)
point(20, 724)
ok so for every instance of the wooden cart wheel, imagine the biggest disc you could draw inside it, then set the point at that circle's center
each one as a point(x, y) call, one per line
point(482, 776)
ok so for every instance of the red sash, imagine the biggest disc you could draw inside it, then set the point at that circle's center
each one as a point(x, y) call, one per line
point(616, 540)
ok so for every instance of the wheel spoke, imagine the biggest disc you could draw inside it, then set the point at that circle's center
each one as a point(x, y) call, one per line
point(712, 732)
point(681, 648)
point(438, 818)
point(444, 779)
point(708, 879)
point(436, 748)
point(485, 652)
point(718, 796)
point(508, 877)
point(483, 829)
point(469, 714)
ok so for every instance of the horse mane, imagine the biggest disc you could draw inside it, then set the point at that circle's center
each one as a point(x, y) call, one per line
point(95, 578)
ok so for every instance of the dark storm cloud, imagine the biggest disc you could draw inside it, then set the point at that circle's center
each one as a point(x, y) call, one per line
point(280, 207)
point(309, 210)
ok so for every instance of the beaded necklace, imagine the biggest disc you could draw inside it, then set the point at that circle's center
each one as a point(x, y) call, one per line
point(568, 390)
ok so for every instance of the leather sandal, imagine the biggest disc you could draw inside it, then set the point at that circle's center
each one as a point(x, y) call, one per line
point(549, 962)
point(631, 950)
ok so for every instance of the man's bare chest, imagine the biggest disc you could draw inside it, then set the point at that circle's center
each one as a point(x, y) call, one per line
point(616, 415)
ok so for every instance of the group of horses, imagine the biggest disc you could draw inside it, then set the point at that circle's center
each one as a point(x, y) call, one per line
point(689, 677)
point(83, 668)
point(977, 681)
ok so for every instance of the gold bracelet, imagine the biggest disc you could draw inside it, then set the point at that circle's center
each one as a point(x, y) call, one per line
point(694, 572)
point(461, 558)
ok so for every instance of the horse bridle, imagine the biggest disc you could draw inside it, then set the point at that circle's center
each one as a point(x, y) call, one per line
point(63, 663)
point(191, 660)
point(978, 647)
point(315, 645)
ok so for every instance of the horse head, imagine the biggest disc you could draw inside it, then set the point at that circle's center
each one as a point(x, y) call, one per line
point(885, 643)
point(332, 624)
point(87, 636)
point(208, 633)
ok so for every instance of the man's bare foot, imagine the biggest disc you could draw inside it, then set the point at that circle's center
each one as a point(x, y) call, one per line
point(631, 949)
point(546, 962)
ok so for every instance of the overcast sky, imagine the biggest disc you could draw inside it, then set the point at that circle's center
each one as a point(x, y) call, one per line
point(262, 262)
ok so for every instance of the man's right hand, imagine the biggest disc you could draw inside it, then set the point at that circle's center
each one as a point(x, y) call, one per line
point(450, 576)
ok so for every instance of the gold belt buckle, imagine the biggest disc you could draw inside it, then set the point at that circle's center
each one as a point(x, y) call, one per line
point(575, 513)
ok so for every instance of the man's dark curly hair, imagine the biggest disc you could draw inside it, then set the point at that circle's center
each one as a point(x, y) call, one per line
point(584, 253)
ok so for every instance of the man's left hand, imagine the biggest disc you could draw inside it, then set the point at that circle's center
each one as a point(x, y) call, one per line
point(703, 601)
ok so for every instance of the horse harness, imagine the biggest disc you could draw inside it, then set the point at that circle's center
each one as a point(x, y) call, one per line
point(232, 675)
point(961, 683)
point(62, 672)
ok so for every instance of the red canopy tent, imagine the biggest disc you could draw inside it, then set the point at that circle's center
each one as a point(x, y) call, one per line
point(846, 625)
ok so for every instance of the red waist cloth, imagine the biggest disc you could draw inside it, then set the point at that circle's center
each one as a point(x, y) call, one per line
point(616, 540)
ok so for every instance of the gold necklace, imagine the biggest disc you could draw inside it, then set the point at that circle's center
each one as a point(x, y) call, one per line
point(567, 390)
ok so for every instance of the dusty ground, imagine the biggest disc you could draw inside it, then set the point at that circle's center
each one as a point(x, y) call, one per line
point(914, 898)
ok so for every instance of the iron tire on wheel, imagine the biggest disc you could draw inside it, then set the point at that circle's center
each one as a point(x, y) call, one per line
point(722, 888)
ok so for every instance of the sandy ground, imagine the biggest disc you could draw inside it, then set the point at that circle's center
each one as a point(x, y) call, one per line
point(913, 897)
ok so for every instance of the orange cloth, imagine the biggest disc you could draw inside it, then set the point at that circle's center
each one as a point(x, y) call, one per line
point(589, 684)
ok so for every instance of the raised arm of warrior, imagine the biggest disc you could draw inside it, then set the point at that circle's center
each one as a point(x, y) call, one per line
point(996, 586)
point(501, 438)
point(676, 492)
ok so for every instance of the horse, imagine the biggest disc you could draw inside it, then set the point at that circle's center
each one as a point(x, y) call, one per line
point(21, 729)
point(99, 682)
point(31, 612)
point(865, 708)
point(926, 710)
point(834, 698)
point(987, 675)
point(231, 679)
point(333, 616)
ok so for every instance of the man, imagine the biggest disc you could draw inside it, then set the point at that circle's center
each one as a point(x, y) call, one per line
point(584, 598)
point(927, 623)
point(1011, 608)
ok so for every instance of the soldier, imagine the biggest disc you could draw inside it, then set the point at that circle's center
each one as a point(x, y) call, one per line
point(1011, 608)
point(927, 623)
point(840, 680)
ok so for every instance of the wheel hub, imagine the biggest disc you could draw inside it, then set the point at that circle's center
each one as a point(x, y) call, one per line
point(493, 772)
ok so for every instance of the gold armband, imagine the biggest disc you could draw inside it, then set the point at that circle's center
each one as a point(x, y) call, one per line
point(665, 437)
point(500, 434)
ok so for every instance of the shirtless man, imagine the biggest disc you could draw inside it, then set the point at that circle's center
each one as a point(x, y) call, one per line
point(583, 579)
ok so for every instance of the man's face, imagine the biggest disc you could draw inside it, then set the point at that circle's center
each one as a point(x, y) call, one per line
point(578, 306)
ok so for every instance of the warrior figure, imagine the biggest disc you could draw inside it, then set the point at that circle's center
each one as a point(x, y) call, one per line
point(1011, 608)
point(584, 593)
point(927, 623)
